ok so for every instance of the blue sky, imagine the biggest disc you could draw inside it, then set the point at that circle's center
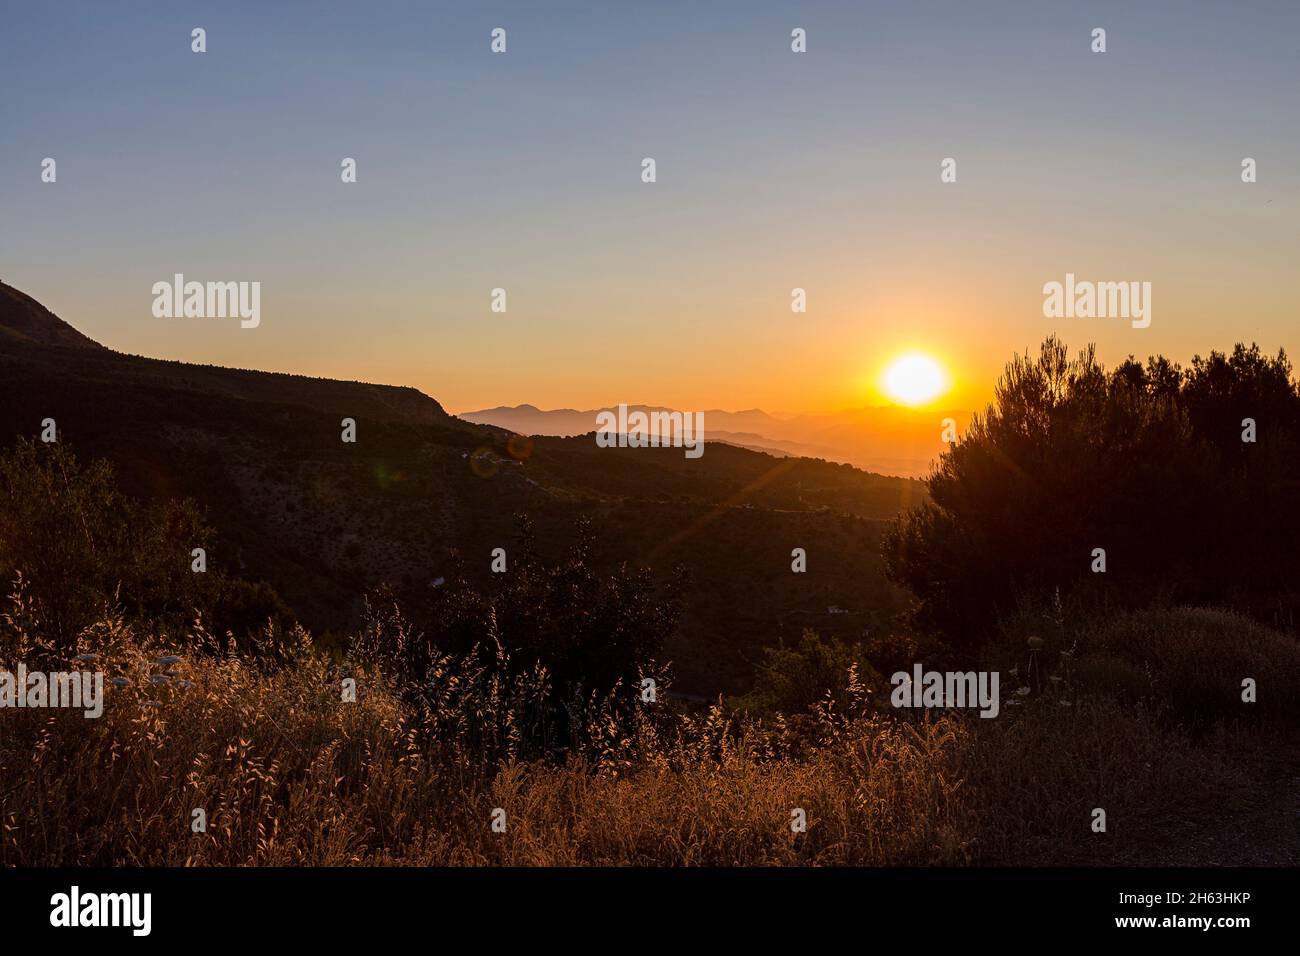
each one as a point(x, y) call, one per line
point(776, 170)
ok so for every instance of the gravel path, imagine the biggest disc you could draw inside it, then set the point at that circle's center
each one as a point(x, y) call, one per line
point(1260, 827)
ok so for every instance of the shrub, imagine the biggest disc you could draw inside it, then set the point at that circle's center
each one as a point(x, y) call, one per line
point(82, 546)
point(1145, 462)
point(1191, 662)
point(586, 629)
point(792, 680)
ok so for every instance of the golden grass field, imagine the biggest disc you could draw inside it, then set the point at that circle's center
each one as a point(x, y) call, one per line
point(288, 774)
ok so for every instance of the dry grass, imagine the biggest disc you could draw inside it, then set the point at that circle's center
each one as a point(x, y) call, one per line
point(290, 775)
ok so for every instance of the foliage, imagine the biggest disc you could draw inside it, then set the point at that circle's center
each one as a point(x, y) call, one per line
point(83, 546)
point(584, 628)
point(792, 680)
point(1146, 462)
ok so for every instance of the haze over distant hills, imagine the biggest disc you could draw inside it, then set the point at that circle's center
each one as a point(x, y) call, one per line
point(890, 440)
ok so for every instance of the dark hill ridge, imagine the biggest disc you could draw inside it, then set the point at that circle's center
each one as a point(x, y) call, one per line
point(25, 322)
point(23, 319)
point(322, 521)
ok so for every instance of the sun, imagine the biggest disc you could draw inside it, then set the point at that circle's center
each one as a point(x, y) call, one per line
point(915, 379)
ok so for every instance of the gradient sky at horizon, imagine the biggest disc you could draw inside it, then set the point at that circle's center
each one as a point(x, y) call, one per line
point(775, 170)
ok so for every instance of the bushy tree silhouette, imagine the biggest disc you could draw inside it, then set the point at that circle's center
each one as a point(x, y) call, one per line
point(81, 546)
point(586, 629)
point(1146, 462)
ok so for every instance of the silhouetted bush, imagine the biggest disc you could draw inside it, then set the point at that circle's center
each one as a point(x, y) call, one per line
point(584, 628)
point(1146, 462)
point(792, 680)
point(82, 546)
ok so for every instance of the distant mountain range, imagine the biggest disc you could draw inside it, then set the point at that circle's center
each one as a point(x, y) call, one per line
point(321, 521)
point(890, 440)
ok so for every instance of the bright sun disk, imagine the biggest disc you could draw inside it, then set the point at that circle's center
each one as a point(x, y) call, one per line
point(914, 379)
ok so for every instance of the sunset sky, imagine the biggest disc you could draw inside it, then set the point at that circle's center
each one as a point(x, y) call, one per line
point(775, 170)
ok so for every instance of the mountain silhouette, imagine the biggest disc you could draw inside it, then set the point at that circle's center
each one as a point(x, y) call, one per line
point(24, 320)
point(890, 440)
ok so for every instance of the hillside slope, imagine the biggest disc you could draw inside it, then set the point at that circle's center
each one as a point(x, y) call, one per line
point(322, 521)
point(24, 320)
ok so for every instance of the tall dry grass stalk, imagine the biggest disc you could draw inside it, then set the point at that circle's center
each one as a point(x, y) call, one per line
point(409, 774)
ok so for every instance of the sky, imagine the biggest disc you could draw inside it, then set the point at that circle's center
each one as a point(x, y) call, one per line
point(775, 170)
